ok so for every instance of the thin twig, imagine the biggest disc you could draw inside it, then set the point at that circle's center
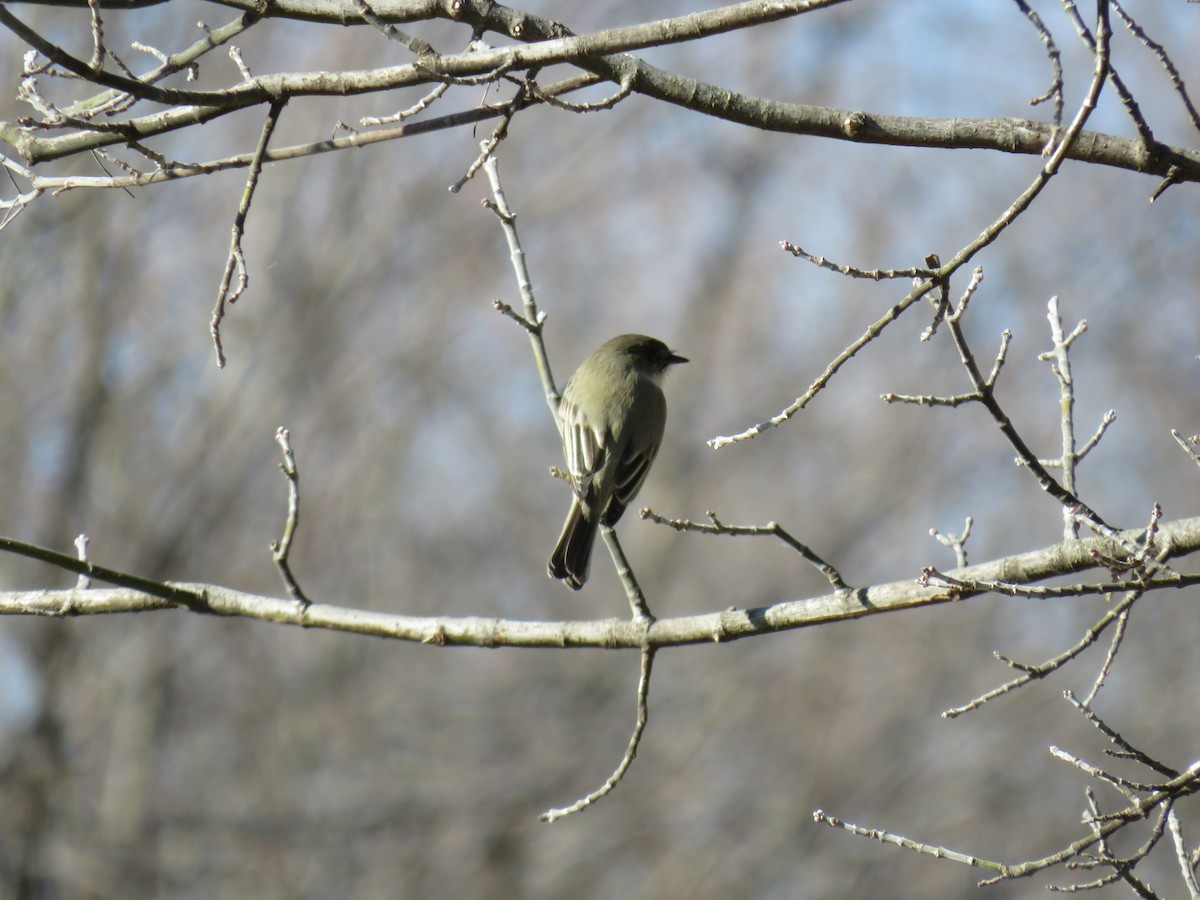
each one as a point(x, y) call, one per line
point(972, 286)
point(639, 726)
point(1107, 419)
point(972, 586)
point(237, 260)
point(98, 51)
point(534, 319)
point(1121, 866)
point(500, 132)
point(872, 332)
point(243, 160)
point(633, 591)
point(1031, 673)
point(1092, 43)
point(1188, 444)
point(391, 32)
point(986, 394)
point(929, 399)
point(1186, 785)
point(1143, 559)
point(773, 529)
point(1127, 751)
point(1001, 355)
point(851, 271)
point(1060, 360)
point(116, 100)
point(1181, 853)
point(419, 106)
point(1109, 658)
point(1163, 57)
point(282, 547)
point(1055, 91)
point(956, 543)
point(1048, 170)
point(83, 582)
point(235, 53)
point(175, 594)
point(624, 89)
point(886, 837)
point(1126, 786)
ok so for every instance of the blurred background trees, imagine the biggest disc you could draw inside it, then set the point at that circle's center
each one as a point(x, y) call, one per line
point(176, 755)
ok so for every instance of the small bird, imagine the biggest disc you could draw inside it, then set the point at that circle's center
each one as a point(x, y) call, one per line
point(611, 420)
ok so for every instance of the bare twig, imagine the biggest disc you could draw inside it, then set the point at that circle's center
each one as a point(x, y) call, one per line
point(929, 399)
point(973, 285)
point(1188, 444)
point(83, 582)
point(1093, 45)
point(624, 89)
point(985, 393)
point(1001, 355)
point(503, 67)
point(956, 543)
point(991, 233)
point(633, 590)
point(500, 132)
point(1060, 363)
point(534, 319)
point(1187, 784)
point(230, 99)
point(1121, 866)
point(98, 51)
point(772, 529)
point(639, 726)
point(1142, 554)
point(886, 837)
point(391, 32)
point(282, 547)
point(1163, 57)
point(1126, 786)
point(235, 54)
point(1102, 849)
point(851, 271)
point(174, 594)
point(872, 332)
point(419, 106)
point(175, 118)
point(1109, 658)
point(1101, 825)
point(1055, 91)
point(117, 100)
point(1127, 750)
point(1031, 673)
point(237, 260)
point(1181, 853)
point(1107, 419)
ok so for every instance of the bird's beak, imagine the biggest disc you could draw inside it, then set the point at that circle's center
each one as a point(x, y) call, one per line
point(675, 358)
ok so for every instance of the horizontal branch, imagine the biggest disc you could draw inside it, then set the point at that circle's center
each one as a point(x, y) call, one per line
point(1181, 537)
point(1008, 135)
point(556, 49)
point(549, 42)
point(40, 149)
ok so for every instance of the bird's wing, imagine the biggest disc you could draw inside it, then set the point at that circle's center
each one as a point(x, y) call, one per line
point(584, 448)
point(630, 474)
point(637, 450)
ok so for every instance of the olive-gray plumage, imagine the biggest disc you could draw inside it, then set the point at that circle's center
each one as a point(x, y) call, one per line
point(611, 420)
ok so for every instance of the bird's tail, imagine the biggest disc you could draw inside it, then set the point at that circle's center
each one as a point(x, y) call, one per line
point(573, 556)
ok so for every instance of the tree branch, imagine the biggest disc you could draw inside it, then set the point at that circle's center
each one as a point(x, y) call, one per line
point(139, 594)
point(600, 53)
